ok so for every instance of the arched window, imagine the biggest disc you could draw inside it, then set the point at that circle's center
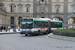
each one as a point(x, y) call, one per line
point(12, 0)
point(57, 8)
point(12, 20)
point(1, 6)
point(19, 19)
point(73, 8)
point(58, 18)
point(57, 0)
point(73, 0)
point(27, 8)
point(20, 0)
point(42, 8)
point(28, 0)
point(42, 0)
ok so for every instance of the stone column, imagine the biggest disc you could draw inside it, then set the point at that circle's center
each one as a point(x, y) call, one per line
point(16, 8)
point(50, 7)
point(34, 8)
point(16, 21)
point(24, 8)
point(65, 13)
point(0, 20)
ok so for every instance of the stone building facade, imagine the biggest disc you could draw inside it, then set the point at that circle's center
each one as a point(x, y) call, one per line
point(14, 10)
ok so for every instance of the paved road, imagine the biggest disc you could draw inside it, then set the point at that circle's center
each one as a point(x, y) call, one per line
point(42, 42)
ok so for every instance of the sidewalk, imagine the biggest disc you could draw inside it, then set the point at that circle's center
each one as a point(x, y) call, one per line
point(65, 38)
point(9, 32)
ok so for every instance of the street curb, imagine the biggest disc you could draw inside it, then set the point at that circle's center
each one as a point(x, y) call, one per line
point(65, 38)
point(9, 33)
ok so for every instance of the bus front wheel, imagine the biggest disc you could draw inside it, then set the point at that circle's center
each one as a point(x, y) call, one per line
point(26, 34)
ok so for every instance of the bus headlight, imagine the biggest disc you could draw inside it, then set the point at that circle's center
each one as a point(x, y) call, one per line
point(33, 30)
point(20, 29)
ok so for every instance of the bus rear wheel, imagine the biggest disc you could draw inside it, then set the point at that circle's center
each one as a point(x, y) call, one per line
point(26, 34)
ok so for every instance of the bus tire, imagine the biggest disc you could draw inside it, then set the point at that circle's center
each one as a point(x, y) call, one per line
point(26, 34)
point(47, 32)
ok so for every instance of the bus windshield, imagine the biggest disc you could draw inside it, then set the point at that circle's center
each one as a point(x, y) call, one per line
point(26, 25)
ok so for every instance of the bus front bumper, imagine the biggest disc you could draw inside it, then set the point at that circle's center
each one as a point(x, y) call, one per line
point(36, 32)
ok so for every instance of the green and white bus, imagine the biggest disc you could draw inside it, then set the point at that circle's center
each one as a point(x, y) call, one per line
point(38, 25)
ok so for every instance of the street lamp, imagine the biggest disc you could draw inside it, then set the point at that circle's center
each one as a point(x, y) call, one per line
point(14, 29)
point(20, 24)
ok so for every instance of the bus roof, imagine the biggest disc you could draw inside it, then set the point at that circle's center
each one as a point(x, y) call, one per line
point(45, 20)
point(42, 19)
point(56, 21)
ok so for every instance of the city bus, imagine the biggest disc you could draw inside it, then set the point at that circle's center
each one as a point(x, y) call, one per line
point(30, 26)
